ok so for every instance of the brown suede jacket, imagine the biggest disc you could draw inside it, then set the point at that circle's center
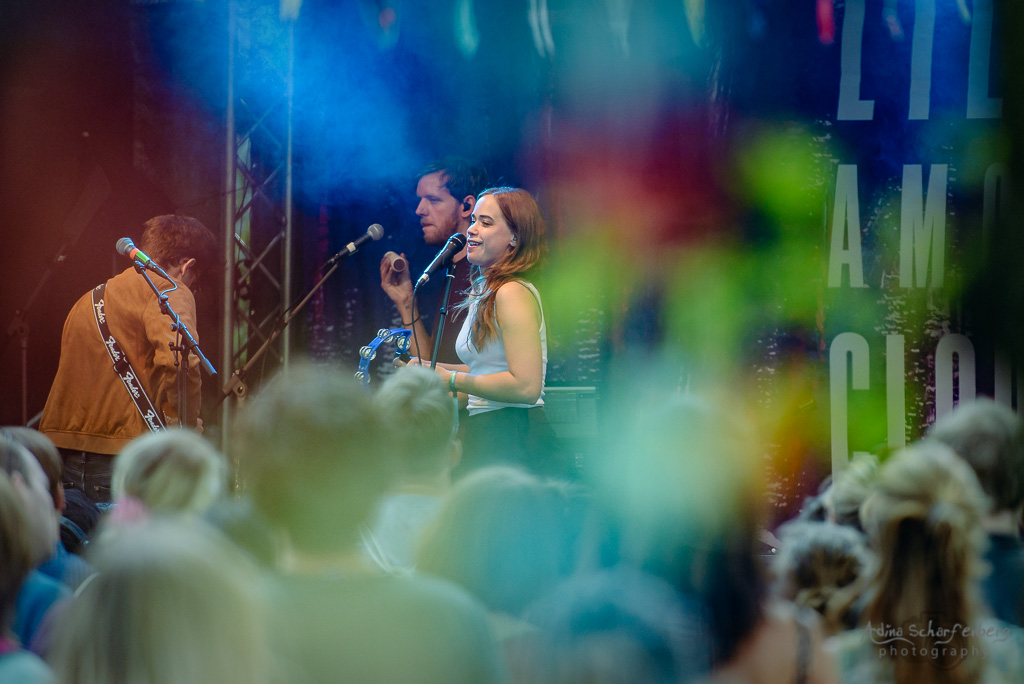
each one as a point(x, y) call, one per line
point(89, 408)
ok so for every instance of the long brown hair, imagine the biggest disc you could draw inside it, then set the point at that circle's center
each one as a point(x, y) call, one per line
point(924, 518)
point(522, 214)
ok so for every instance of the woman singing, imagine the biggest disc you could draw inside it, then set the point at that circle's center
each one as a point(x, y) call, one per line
point(503, 342)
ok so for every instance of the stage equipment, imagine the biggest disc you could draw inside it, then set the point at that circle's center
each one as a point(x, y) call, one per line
point(368, 353)
point(236, 385)
point(374, 232)
point(126, 247)
point(455, 244)
point(186, 343)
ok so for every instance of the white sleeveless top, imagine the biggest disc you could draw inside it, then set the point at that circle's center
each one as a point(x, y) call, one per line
point(491, 358)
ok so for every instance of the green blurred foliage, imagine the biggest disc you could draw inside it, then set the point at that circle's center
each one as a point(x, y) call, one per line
point(775, 167)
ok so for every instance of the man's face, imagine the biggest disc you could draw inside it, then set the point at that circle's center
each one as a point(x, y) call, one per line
point(438, 211)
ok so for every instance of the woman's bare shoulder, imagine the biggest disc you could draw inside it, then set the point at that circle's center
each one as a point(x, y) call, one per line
point(515, 293)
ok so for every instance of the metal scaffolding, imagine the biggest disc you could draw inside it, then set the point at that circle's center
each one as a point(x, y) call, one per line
point(258, 192)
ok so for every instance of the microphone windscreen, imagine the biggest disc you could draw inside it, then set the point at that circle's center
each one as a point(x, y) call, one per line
point(125, 245)
point(398, 262)
point(376, 231)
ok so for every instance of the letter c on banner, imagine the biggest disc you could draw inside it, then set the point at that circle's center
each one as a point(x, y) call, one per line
point(856, 347)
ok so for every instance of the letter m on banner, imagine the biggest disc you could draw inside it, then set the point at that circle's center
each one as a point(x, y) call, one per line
point(923, 226)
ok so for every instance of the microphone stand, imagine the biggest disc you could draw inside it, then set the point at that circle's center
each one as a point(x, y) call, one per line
point(443, 312)
point(96, 191)
point(181, 351)
point(19, 327)
point(236, 384)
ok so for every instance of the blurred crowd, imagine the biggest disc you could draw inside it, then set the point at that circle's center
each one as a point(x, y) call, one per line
point(333, 544)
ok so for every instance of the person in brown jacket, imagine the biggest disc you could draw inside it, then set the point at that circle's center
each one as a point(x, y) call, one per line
point(90, 414)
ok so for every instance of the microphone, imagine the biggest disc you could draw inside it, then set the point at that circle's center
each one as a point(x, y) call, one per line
point(126, 247)
point(454, 245)
point(398, 262)
point(374, 232)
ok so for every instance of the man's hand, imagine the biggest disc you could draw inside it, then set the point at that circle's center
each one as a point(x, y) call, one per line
point(396, 284)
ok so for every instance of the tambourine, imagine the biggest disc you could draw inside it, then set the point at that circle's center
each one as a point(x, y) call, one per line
point(368, 353)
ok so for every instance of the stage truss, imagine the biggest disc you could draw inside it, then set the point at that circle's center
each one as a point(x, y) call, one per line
point(258, 217)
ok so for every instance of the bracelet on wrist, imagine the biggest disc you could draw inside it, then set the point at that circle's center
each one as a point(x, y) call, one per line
point(451, 382)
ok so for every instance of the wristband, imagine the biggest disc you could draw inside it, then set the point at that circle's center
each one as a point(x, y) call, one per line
point(451, 382)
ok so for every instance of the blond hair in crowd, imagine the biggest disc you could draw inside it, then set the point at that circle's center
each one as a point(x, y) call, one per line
point(416, 403)
point(822, 566)
point(316, 456)
point(989, 437)
point(172, 602)
point(174, 470)
point(503, 535)
point(923, 519)
point(16, 549)
point(850, 487)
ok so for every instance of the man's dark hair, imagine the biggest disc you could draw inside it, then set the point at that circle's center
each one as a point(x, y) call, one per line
point(170, 240)
point(461, 176)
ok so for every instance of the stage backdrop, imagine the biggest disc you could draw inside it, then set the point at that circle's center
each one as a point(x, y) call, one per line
point(806, 203)
point(917, 192)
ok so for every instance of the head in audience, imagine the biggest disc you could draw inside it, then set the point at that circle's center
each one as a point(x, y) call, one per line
point(46, 453)
point(923, 520)
point(30, 483)
point(78, 520)
point(239, 521)
point(416, 403)
point(682, 483)
point(315, 457)
point(16, 548)
point(618, 625)
point(822, 566)
point(172, 601)
point(989, 437)
point(849, 488)
point(503, 535)
point(171, 471)
point(814, 508)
